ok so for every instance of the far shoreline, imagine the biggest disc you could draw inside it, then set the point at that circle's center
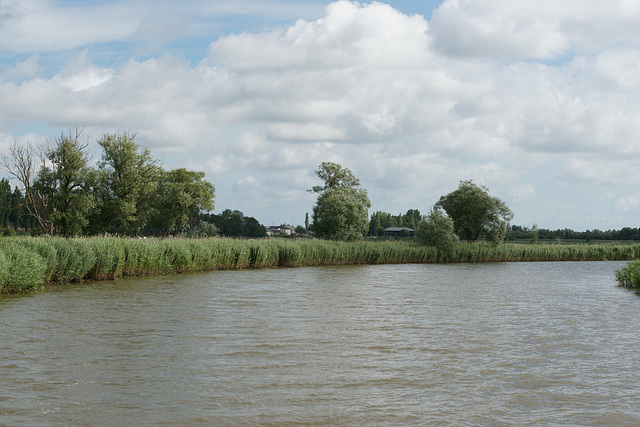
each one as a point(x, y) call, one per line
point(31, 263)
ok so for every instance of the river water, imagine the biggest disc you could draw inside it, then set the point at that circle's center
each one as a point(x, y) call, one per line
point(460, 344)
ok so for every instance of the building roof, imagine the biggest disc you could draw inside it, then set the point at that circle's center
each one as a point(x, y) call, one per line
point(398, 229)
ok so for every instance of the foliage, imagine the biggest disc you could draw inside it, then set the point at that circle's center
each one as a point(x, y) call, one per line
point(341, 214)
point(629, 275)
point(381, 220)
point(65, 186)
point(21, 163)
point(62, 195)
point(517, 233)
point(334, 176)
point(128, 179)
point(206, 229)
point(235, 224)
point(28, 262)
point(475, 213)
point(181, 194)
point(436, 230)
point(341, 211)
point(5, 202)
point(21, 269)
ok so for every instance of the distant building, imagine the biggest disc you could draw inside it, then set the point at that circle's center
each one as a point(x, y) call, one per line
point(397, 231)
point(285, 229)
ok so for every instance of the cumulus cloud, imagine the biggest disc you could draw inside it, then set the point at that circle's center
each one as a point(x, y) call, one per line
point(411, 106)
point(544, 29)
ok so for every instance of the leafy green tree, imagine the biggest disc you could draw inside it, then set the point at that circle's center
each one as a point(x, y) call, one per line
point(334, 176)
point(233, 223)
point(475, 213)
point(534, 234)
point(206, 229)
point(19, 216)
point(180, 193)
point(5, 202)
point(67, 186)
point(254, 228)
point(437, 230)
point(128, 180)
point(341, 211)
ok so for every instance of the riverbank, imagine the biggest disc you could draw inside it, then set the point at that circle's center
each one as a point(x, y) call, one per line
point(29, 263)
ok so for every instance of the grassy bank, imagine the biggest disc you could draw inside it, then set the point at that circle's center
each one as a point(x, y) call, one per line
point(29, 263)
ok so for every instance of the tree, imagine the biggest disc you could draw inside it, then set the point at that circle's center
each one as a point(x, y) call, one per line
point(235, 224)
point(437, 230)
point(534, 234)
point(18, 216)
point(21, 162)
point(334, 176)
point(128, 179)
point(254, 228)
point(412, 219)
point(180, 194)
point(206, 229)
point(341, 211)
point(65, 185)
point(57, 194)
point(475, 213)
point(5, 202)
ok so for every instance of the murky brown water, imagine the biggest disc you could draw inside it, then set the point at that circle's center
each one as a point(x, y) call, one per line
point(486, 344)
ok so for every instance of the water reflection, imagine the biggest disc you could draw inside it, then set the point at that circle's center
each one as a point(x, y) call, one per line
point(536, 343)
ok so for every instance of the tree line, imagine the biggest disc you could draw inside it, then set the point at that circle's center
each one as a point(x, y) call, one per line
point(382, 220)
point(230, 223)
point(517, 232)
point(468, 213)
point(128, 193)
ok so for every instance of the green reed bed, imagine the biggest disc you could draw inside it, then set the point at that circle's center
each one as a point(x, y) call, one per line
point(28, 263)
point(629, 275)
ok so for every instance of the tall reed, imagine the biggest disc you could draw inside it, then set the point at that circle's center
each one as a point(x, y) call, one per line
point(22, 268)
point(629, 275)
point(27, 262)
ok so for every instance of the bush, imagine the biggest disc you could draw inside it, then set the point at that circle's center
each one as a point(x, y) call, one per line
point(206, 229)
point(629, 275)
point(437, 231)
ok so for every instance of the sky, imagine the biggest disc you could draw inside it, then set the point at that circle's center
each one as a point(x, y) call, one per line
point(537, 101)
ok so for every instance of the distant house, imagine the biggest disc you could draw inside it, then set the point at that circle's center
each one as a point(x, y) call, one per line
point(285, 229)
point(397, 231)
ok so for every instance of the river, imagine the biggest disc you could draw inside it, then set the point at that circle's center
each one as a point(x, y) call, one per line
point(459, 344)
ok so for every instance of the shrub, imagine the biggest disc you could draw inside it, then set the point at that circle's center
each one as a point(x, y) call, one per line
point(437, 231)
point(629, 275)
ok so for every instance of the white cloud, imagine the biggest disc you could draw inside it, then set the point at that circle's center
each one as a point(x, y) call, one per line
point(628, 204)
point(544, 29)
point(399, 100)
point(81, 75)
point(22, 70)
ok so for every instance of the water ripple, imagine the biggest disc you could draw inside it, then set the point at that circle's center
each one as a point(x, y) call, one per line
point(485, 344)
